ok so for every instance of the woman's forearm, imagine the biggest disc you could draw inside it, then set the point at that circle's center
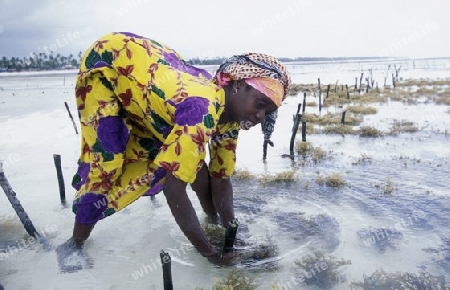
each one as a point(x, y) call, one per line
point(222, 195)
point(185, 216)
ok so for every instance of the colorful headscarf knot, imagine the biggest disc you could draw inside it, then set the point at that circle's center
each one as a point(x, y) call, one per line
point(263, 72)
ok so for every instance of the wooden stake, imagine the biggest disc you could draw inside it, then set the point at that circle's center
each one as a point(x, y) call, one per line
point(360, 82)
point(297, 118)
point(71, 118)
point(62, 188)
point(304, 103)
point(304, 131)
point(166, 262)
point(320, 97)
point(343, 117)
point(230, 235)
point(20, 211)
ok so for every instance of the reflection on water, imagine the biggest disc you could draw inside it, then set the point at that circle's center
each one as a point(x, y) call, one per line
point(392, 213)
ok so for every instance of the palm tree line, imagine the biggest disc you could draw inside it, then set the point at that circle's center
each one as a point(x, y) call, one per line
point(40, 61)
point(51, 61)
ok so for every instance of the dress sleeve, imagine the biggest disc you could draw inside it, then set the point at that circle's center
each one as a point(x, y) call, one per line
point(184, 149)
point(223, 152)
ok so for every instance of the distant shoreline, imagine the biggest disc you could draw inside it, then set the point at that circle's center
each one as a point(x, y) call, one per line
point(218, 61)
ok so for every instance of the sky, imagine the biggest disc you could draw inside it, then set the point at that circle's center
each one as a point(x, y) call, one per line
point(208, 29)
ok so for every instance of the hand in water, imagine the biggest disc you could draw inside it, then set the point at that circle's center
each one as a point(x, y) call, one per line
point(71, 258)
point(224, 259)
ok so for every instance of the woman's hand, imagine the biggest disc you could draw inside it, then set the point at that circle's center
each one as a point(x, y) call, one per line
point(224, 259)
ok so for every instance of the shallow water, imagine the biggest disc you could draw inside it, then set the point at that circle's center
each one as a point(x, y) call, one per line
point(401, 231)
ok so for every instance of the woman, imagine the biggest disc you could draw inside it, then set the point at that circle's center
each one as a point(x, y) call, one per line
point(147, 118)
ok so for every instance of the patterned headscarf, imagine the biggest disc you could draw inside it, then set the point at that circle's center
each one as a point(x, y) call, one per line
point(263, 72)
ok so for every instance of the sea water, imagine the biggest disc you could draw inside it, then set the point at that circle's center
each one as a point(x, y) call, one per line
point(403, 231)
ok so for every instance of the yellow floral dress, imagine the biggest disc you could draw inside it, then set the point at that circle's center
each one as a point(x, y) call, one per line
point(143, 112)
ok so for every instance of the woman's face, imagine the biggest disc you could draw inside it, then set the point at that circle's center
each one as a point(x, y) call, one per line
point(249, 106)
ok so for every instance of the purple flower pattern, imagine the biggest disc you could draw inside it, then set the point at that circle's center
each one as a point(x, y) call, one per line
point(113, 133)
point(191, 111)
point(175, 62)
point(83, 171)
point(90, 208)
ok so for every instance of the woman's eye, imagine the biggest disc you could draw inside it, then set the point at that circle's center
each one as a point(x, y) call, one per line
point(260, 105)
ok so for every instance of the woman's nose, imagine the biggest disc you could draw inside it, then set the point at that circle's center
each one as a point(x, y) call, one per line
point(260, 115)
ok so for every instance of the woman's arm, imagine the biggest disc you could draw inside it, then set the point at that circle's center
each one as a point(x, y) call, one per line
point(222, 196)
point(185, 216)
point(215, 196)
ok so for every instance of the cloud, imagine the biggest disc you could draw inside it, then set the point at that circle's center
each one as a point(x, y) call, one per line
point(291, 28)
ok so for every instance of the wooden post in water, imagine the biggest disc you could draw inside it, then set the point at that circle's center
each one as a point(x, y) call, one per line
point(297, 118)
point(356, 84)
point(348, 94)
point(396, 72)
point(360, 82)
point(320, 103)
point(62, 189)
point(20, 211)
point(71, 118)
point(328, 90)
point(166, 262)
point(320, 96)
point(343, 117)
point(304, 131)
point(230, 235)
point(304, 102)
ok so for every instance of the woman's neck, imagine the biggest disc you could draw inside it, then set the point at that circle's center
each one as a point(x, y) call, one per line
point(225, 116)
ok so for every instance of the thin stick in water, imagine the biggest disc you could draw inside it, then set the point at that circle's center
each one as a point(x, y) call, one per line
point(343, 117)
point(20, 211)
point(230, 235)
point(71, 118)
point(297, 118)
point(166, 262)
point(304, 131)
point(62, 189)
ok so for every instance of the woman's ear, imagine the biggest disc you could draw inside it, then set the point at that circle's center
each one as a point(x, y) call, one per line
point(240, 83)
point(235, 86)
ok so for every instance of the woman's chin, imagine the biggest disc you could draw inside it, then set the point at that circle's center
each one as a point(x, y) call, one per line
point(246, 124)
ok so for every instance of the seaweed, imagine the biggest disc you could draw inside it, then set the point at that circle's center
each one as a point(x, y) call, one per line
point(236, 279)
point(309, 152)
point(215, 234)
point(331, 180)
point(285, 176)
point(259, 253)
point(320, 270)
point(401, 281)
point(441, 253)
point(251, 251)
point(382, 238)
point(323, 226)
